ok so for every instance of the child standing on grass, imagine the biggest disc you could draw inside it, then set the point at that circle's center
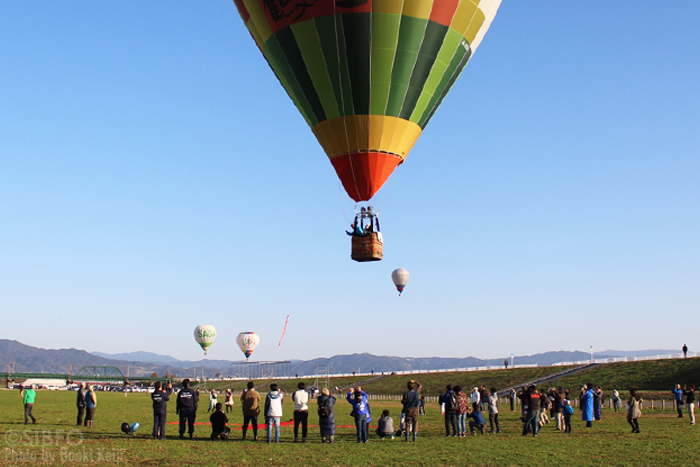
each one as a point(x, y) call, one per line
point(568, 412)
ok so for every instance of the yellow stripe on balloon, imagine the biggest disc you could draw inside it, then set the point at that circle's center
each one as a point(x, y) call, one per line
point(363, 133)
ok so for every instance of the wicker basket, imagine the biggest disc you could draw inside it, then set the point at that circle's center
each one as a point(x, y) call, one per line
point(366, 248)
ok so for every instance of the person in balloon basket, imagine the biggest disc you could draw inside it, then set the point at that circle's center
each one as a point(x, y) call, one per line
point(360, 411)
point(218, 420)
point(273, 412)
point(250, 402)
point(301, 412)
point(186, 408)
point(160, 400)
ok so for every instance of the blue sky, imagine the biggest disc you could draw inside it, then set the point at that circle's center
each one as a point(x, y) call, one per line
point(155, 176)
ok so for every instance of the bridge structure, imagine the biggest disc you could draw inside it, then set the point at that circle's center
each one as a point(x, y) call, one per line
point(106, 374)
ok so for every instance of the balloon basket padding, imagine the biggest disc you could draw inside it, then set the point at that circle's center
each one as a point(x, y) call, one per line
point(366, 248)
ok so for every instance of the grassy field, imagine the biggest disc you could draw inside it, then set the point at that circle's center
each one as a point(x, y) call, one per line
point(55, 440)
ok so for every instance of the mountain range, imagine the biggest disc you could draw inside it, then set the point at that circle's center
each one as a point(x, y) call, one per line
point(22, 358)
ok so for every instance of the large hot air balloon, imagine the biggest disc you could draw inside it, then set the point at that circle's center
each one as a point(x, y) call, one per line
point(247, 342)
point(205, 334)
point(367, 75)
point(400, 278)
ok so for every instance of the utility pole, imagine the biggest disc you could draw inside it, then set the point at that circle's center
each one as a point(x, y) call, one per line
point(591, 354)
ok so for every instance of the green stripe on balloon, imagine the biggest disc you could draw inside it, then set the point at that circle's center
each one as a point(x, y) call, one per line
point(357, 32)
point(290, 49)
point(410, 38)
point(457, 64)
point(385, 32)
point(275, 57)
point(430, 47)
point(431, 87)
point(310, 47)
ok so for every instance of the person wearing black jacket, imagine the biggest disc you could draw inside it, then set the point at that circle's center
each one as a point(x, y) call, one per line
point(160, 409)
point(218, 423)
point(186, 408)
point(451, 409)
point(81, 403)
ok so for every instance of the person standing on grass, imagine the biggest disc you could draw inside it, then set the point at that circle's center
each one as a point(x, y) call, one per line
point(634, 410)
point(326, 417)
point(678, 399)
point(80, 403)
point(411, 401)
point(616, 400)
point(301, 412)
point(475, 396)
point(229, 401)
point(273, 412)
point(212, 401)
point(28, 398)
point(218, 420)
point(360, 410)
point(567, 411)
point(512, 396)
point(250, 403)
point(422, 405)
point(449, 401)
point(587, 404)
point(493, 411)
point(533, 412)
point(186, 407)
point(685, 351)
point(556, 408)
point(689, 393)
point(462, 406)
point(160, 408)
point(597, 403)
point(90, 406)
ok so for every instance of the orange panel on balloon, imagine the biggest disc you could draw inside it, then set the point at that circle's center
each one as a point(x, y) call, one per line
point(364, 173)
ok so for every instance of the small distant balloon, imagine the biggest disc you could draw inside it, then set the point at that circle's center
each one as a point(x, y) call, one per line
point(247, 342)
point(400, 278)
point(205, 334)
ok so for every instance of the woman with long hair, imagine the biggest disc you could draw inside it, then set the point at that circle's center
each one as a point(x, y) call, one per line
point(90, 405)
point(634, 410)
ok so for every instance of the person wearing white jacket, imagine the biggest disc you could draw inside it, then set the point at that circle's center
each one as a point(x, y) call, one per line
point(301, 412)
point(273, 412)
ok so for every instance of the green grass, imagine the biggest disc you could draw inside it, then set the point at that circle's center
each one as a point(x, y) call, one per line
point(664, 439)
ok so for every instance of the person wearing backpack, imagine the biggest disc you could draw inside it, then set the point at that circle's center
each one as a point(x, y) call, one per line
point(326, 417)
point(411, 407)
point(568, 411)
point(451, 409)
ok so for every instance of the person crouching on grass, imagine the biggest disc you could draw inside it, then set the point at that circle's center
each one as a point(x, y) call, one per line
point(386, 426)
point(218, 423)
point(477, 421)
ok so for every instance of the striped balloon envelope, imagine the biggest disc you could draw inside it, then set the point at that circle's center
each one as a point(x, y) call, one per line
point(367, 75)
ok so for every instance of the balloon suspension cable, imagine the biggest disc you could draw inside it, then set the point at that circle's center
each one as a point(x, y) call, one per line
point(342, 206)
point(386, 192)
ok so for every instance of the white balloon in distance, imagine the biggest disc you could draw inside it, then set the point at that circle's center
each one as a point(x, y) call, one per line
point(247, 342)
point(400, 278)
point(205, 334)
